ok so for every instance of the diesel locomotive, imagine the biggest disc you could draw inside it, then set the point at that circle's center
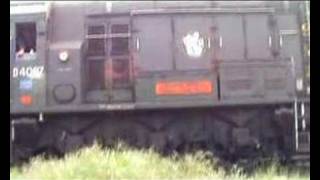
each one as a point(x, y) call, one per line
point(229, 77)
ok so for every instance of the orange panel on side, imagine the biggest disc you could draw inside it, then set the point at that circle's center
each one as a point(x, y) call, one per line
point(184, 87)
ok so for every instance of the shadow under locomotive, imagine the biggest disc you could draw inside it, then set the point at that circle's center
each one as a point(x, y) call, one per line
point(230, 133)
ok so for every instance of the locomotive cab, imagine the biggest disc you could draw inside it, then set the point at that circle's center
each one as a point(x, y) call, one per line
point(27, 51)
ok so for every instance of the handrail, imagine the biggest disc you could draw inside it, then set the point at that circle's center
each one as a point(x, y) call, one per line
point(256, 61)
point(203, 10)
point(105, 36)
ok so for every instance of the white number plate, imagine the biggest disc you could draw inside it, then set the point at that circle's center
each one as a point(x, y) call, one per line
point(33, 72)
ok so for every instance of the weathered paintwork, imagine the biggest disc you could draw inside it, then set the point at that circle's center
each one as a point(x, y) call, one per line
point(251, 53)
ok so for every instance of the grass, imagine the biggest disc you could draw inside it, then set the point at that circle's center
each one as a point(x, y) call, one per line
point(93, 163)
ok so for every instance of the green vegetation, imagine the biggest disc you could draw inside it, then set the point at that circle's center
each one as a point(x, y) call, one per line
point(124, 163)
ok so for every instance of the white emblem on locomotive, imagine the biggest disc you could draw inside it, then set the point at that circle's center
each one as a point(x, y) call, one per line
point(194, 44)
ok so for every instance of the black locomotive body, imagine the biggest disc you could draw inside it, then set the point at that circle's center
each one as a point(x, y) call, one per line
point(225, 76)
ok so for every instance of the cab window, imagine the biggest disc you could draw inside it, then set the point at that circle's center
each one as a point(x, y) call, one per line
point(25, 39)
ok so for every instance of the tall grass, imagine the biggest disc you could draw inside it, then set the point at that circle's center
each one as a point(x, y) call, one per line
point(93, 163)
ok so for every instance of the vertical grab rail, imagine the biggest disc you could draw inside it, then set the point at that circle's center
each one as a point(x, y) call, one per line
point(296, 119)
point(12, 134)
point(132, 57)
point(296, 124)
point(299, 116)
